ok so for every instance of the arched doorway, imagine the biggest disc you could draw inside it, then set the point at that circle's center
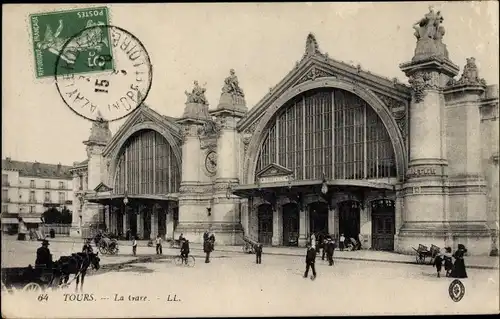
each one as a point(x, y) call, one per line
point(383, 224)
point(146, 221)
point(290, 224)
point(265, 215)
point(318, 216)
point(132, 222)
point(349, 213)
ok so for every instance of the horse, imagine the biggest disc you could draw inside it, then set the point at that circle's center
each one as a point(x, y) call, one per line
point(77, 264)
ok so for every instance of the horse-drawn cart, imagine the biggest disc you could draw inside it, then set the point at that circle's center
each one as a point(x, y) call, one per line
point(249, 246)
point(28, 278)
point(423, 252)
point(107, 245)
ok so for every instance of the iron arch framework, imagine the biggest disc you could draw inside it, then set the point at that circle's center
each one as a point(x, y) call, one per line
point(332, 132)
point(147, 165)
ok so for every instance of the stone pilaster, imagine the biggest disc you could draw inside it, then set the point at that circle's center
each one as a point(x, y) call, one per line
point(365, 221)
point(467, 186)
point(140, 225)
point(169, 220)
point(125, 223)
point(277, 239)
point(154, 223)
point(225, 208)
point(331, 220)
point(426, 186)
point(302, 228)
point(195, 192)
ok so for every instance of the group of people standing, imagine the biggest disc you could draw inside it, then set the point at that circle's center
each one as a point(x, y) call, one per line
point(456, 269)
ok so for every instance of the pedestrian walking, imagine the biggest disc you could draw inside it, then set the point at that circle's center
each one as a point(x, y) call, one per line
point(313, 240)
point(258, 253)
point(459, 270)
point(341, 242)
point(207, 248)
point(159, 250)
point(310, 260)
point(330, 248)
point(134, 246)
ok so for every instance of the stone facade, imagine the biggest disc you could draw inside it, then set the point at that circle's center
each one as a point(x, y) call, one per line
point(443, 131)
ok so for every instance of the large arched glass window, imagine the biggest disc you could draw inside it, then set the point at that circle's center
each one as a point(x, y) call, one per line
point(147, 165)
point(329, 131)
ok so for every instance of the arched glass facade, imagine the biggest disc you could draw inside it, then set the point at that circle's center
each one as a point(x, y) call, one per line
point(329, 131)
point(147, 165)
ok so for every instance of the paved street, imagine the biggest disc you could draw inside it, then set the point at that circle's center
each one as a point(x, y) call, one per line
point(234, 285)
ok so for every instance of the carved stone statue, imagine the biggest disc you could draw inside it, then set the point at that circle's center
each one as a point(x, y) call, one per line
point(197, 95)
point(428, 26)
point(231, 85)
point(429, 33)
point(470, 75)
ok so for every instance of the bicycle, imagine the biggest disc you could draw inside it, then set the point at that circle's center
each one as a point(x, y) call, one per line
point(179, 260)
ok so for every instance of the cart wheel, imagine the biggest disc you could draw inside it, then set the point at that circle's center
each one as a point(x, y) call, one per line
point(32, 287)
point(102, 250)
point(420, 259)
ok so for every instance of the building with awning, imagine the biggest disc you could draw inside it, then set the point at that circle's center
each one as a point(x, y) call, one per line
point(331, 149)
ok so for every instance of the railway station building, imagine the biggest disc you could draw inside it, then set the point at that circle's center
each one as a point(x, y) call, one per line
point(331, 148)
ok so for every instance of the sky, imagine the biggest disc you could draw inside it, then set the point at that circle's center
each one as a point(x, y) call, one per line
point(262, 42)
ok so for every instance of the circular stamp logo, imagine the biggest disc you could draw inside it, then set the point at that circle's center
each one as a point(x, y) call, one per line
point(103, 73)
point(456, 290)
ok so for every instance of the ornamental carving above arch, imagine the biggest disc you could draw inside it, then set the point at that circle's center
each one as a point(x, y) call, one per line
point(374, 101)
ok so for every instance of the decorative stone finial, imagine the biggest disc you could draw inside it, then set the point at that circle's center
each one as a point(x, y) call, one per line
point(197, 95)
point(100, 132)
point(470, 75)
point(311, 45)
point(429, 33)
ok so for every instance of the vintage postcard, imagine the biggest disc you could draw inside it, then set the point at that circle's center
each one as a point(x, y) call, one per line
point(250, 159)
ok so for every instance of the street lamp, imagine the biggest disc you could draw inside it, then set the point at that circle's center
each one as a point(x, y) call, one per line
point(125, 199)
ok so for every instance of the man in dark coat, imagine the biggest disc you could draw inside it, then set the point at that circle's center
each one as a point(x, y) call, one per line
point(185, 250)
point(87, 247)
point(258, 253)
point(207, 248)
point(329, 247)
point(310, 260)
point(205, 236)
point(43, 255)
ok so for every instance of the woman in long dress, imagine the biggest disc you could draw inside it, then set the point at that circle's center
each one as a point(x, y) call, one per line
point(459, 270)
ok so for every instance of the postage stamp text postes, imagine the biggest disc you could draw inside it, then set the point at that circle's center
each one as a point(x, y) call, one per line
point(104, 94)
point(53, 31)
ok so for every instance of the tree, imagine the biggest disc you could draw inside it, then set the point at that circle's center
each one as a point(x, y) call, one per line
point(54, 216)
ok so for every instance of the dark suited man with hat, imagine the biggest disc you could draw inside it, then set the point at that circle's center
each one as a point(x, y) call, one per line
point(43, 255)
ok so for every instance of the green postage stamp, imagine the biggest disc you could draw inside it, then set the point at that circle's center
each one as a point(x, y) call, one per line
point(73, 35)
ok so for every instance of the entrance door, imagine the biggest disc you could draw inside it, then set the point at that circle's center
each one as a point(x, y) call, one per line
point(119, 223)
point(265, 215)
point(318, 216)
point(162, 219)
point(349, 219)
point(146, 222)
point(290, 224)
point(383, 224)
